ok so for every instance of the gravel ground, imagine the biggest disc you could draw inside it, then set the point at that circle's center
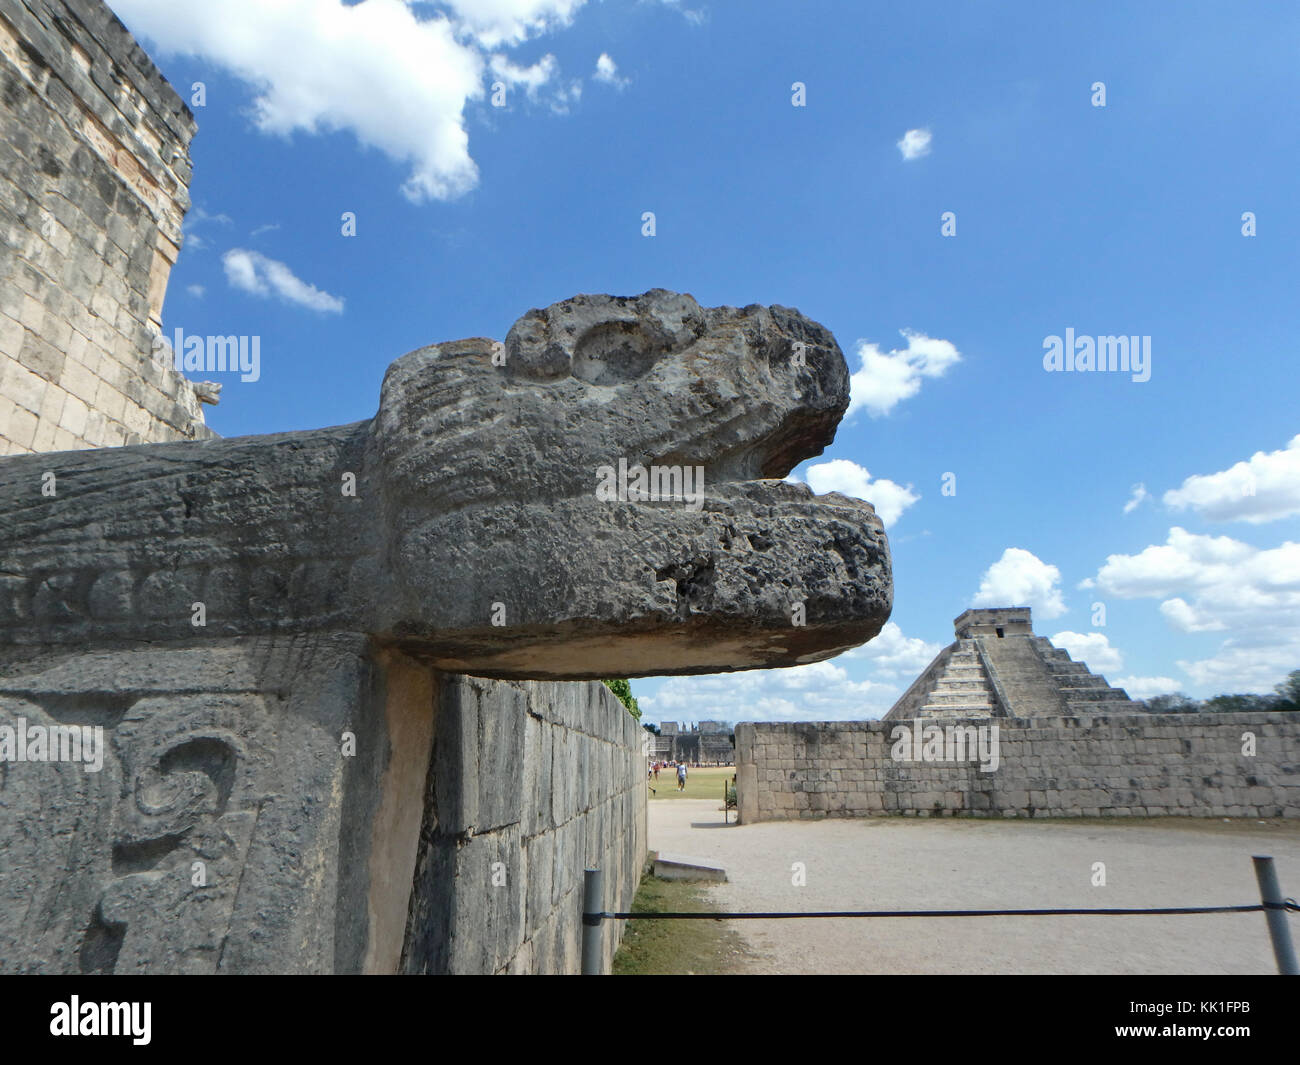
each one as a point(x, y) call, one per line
point(905, 863)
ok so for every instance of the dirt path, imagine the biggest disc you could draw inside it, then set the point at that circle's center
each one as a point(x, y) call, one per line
point(902, 863)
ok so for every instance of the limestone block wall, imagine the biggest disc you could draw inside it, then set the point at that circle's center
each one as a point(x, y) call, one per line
point(94, 169)
point(531, 783)
point(1116, 766)
point(306, 803)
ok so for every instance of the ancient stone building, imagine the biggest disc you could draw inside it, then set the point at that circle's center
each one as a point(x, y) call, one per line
point(997, 667)
point(328, 701)
point(314, 669)
point(704, 743)
point(93, 188)
point(1003, 724)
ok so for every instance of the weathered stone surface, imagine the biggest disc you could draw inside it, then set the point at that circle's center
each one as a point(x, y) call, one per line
point(95, 163)
point(1122, 765)
point(475, 539)
point(243, 642)
point(229, 832)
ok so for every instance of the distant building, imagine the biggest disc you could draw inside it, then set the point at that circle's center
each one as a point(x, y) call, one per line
point(997, 667)
point(706, 743)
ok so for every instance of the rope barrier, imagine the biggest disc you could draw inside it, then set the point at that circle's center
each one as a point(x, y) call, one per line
point(1258, 907)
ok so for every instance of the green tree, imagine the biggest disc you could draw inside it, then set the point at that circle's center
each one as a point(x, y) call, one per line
point(1172, 704)
point(1288, 692)
point(1239, 704)
point(623, 690)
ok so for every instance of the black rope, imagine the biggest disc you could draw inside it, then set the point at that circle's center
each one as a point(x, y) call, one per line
point(1258, 907)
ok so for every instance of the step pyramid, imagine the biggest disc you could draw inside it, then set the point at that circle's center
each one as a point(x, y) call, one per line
point(997, 667)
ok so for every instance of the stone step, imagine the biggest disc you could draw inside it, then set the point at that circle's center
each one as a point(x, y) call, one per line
point(932, 713)
point(947, 685)
point(1082, 681)
point(1103, 694)
point(1065, 669)
point(955, 710)
point(975, 698)
point(681, 867)
point(1091, 709)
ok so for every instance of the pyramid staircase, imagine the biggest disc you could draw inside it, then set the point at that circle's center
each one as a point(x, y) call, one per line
point(990, 672)
point(962, 689)
point(1081, 691)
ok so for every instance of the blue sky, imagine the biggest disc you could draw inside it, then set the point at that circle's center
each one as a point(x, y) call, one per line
point(1123, 219)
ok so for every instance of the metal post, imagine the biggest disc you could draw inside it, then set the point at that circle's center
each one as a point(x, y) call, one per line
point(1278, 930)
point(593, 910)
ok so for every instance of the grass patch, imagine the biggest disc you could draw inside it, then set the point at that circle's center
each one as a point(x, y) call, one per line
point(703, 783)
point(675, 948)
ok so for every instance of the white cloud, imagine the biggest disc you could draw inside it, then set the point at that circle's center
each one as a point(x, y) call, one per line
point(195, 218)
point(1021, 578)
point(1243, 666)
point(1186, 560)
point(695, 16)
point(607, 72)
point(1218, 584)
point(1147, 687)
point(1139, 495)
point(894, 656)
point(220, 218)
point(848, 478)
point(820, 691)
point(915, 144)
point(1264, 488)
point(889, 377)
point(253, 272)
point(270, 227)
point(196, 291)
point(1181, 616)
point(1092, 648)
point(397, 81)
point(505, 22)
point(531, 78)
point(564, 96)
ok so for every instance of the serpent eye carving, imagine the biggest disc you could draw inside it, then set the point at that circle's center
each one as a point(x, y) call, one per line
point(190, 784)
point(613, 353)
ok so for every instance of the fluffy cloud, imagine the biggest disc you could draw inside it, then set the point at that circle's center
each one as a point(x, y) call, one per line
point(253, 272)
point(396, 80)
point(1218, 584)
point(889, 377)
point(1264, 488)
point(530, 78)
point(894, 656)
point(494, 23)
point(1185, 561)
point(607, 71)
point(848, 478)
point(1091, 647)
point(1140, 494)
point(1021, 578)
point(820, 691)
point(915, 144)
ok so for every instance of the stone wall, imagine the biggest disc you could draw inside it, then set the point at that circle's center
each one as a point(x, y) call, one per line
point(306, 804)
point(93, 187)
point(1117, 766)
point(532, 782)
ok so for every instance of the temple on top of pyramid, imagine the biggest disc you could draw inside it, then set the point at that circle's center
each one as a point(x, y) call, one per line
point(997, 667)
